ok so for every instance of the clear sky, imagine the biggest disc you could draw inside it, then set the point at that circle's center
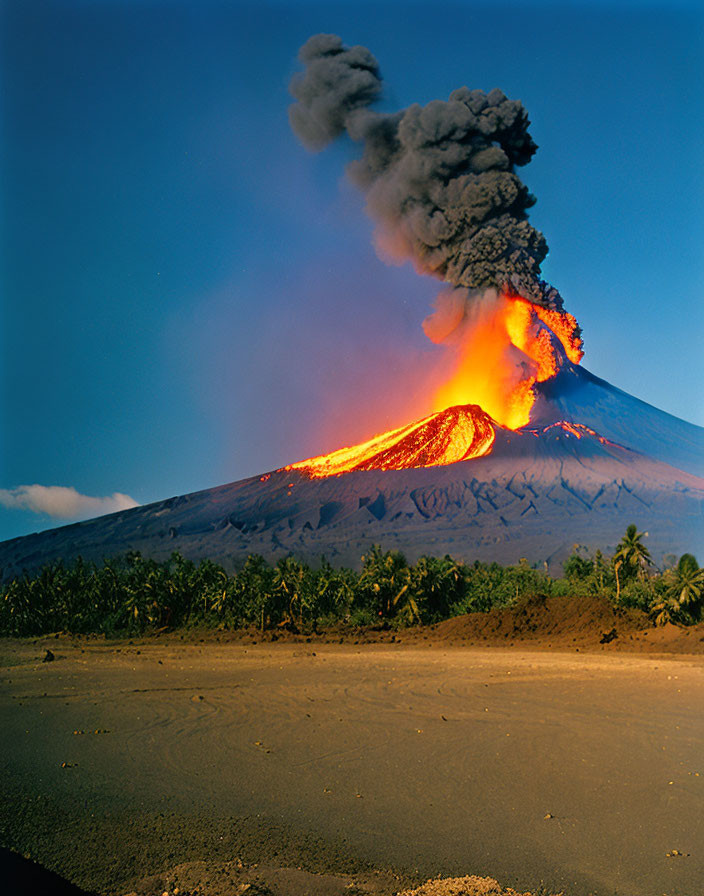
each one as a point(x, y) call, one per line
point(189, 297)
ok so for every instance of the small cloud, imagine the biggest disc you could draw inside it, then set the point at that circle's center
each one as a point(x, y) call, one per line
point(61, 502)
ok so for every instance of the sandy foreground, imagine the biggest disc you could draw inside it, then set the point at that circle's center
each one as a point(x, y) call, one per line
point(359, 768)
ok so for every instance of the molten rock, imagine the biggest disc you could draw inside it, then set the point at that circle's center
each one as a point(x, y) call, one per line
point(454, 434)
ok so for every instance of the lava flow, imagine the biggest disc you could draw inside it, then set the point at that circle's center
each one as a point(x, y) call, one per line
point(456, 433)
point(578, 430)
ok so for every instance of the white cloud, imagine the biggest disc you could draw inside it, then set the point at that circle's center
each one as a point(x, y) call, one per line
point(61, 502)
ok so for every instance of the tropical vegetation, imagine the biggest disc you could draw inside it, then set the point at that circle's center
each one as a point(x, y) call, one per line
point(134, 594)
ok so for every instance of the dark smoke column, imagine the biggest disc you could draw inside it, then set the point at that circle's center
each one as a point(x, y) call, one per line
point(439, 179)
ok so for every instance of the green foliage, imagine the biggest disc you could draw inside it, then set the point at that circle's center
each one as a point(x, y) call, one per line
point(632, 558)
point(295, 597)
point(637, 595)
point(578, 569)
point(586, 575)
point(254, 588)
point(335, 592)
point(385, 585)
point(683, 596)
point(437, 585)
point(134, 594)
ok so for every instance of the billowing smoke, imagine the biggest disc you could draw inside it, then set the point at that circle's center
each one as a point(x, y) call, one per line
point(439, 179)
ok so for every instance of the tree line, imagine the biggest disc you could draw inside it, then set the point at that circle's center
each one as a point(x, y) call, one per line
point(134, 594)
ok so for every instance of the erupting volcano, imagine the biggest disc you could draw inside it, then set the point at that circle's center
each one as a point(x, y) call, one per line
point(518, 450)
point(502, 352)
point(500, 356)
point(442, 190)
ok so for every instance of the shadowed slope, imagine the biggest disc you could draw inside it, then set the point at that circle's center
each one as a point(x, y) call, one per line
point(579, 396)
point(22, 877)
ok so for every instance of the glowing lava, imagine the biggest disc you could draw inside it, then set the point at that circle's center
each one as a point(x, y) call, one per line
point(503, 352)
point(578, 430)
point(565, 327)
point(457, 433)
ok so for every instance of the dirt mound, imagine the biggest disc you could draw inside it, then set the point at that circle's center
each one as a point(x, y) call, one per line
point(208, 878)
point(212, 878)
point(583, 621)
point(462, 886)
point(557, 618)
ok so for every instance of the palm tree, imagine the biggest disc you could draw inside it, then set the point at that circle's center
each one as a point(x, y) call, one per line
point(210, 586)
point(334, 589)
point(665, 611)
point(254, 590)
point(438, 584)
point(686, 585)
point(631, 555)
point(18, 612)
point(601, 570)
point(291, 582)
point(386, 578)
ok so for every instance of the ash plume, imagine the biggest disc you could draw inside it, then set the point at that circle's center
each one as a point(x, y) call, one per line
point(439, 179)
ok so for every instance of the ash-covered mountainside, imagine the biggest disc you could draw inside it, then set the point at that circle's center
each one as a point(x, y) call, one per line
point(563, 480)
point(578, 396)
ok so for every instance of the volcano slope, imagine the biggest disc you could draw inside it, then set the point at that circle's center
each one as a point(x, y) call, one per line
point(578, 396)
point(539, 491)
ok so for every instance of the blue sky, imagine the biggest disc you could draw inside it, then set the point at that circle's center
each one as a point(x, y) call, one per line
point(189, 297)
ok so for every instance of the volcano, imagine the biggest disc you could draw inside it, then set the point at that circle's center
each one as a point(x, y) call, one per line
point(592, 460)
point(524, 454)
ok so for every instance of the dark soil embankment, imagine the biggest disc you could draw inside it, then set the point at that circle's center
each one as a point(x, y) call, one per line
point(536, 622)
point(571, 622)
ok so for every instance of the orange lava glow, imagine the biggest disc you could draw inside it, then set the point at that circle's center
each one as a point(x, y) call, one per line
point(491, 372)
point(501, 352)
point(578, 430)
point(456, 433)
point(564, 326)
